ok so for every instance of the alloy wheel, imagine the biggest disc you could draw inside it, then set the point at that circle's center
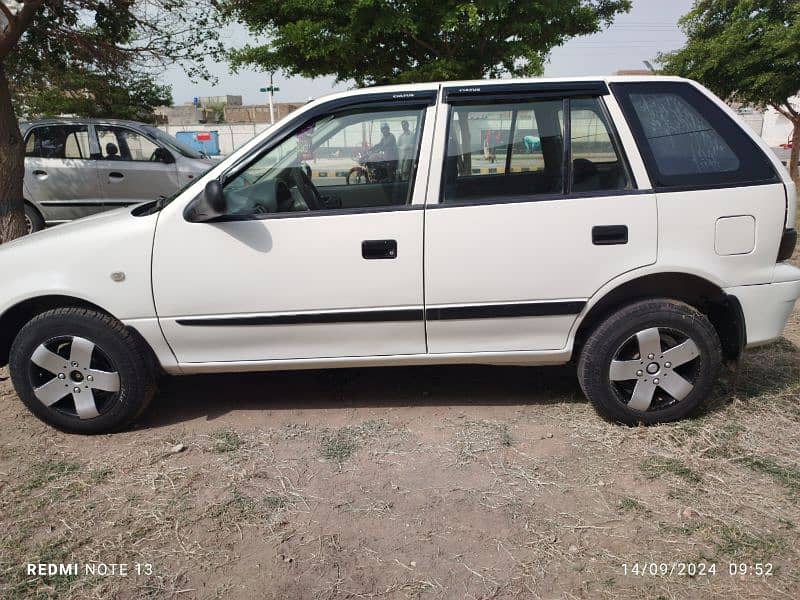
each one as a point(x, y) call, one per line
point(655, 368)
point(74, 376)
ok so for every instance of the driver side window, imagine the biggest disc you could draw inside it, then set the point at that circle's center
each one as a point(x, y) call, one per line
point(352, 160)
point(118, 143)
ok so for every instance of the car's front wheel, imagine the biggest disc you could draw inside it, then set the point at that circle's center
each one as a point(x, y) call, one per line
point(81, 371)
point(653, 361)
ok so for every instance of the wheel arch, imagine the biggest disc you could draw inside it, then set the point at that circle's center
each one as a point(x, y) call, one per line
point(16, 316)
point(723, 310)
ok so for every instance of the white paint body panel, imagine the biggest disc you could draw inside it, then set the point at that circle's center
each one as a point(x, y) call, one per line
point(290, 265)
point(76, 259)
point(766, 308)
point(687, 224)
point(527, 251)
point(735, 235)
point(502, 253)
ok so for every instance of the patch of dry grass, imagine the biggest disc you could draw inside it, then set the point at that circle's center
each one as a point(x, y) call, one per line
point(494, 500)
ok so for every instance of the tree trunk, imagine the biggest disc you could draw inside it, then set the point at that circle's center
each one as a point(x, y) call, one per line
point(794, 155)
point(12, 168)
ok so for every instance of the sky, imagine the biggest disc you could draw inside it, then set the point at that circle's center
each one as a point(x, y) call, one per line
point(650, 28)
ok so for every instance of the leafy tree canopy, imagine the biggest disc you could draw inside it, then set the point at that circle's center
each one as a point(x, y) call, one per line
point(90, 57)
point(397, 41)
point(747, 51)
point(91, 94)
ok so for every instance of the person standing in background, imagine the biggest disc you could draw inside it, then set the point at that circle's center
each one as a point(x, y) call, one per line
point(405, 145)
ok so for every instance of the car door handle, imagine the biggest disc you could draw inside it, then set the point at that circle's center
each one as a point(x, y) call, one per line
point(116, 175)
point(379, 249)
point(40, 173)
point(608, 235)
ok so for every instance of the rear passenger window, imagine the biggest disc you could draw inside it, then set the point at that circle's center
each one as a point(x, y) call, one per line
point(688, 141)
point(597, 164)
point(513, 151)
point(58, 141)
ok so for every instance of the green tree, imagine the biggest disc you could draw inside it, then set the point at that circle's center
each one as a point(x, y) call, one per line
point(746, 51)
point(90, 94)
point(397, 41)
point(89, 57)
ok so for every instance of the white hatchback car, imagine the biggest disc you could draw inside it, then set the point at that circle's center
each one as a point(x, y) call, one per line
point(632, 225)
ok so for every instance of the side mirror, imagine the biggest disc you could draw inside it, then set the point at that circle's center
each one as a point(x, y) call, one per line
point(163, 155)
point(209, 205)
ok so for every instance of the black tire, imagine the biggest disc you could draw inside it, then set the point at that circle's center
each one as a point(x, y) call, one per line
point(356, 174)
point(114, 351)
point(616, 339)
point(33, 219)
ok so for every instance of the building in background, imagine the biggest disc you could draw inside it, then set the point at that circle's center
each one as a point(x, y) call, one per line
point(217, 125)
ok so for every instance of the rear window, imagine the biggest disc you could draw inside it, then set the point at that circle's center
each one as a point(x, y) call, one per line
point(58, 141)
point(687, 141)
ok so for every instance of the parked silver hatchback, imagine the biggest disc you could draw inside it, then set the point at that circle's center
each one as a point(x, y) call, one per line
point(78, 167)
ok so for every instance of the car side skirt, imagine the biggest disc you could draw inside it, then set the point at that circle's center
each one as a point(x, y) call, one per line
point(526, 358)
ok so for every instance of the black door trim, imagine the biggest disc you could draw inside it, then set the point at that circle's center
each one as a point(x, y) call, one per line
point(84, 203)
point(441, 313)
point(516, 92)
point(505, 311)
point(350, 316)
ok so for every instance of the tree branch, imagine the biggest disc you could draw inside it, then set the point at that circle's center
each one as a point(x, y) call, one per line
point(7, 12)
point(783, 110)
point(18, 25)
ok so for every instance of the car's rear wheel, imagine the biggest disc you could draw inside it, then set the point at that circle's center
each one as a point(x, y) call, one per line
point(653, 361)
point(33, 220)
point(81, 371)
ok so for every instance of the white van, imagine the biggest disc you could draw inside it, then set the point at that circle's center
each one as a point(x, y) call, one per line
point(632, 225)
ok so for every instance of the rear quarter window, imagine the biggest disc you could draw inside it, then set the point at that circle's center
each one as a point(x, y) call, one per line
point(687, 141)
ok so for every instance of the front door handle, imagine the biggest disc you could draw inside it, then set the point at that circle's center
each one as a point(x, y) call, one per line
point(116, 175)
point(379, 249)
point(40, 173)
point(608, 235)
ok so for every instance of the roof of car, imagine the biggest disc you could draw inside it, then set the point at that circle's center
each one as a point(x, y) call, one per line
point(486, 83)
point(81, 120)
point(490, 82)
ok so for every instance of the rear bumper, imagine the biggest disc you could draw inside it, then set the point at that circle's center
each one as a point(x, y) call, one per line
point(766, 308)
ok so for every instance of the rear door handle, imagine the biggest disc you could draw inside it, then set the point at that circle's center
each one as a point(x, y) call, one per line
point(40, 173)
point(116, 175)
point(379, 249)
point(608, 235)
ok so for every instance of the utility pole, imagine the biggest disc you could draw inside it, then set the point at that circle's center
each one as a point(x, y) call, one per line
point(270, 90)
point(271, 109)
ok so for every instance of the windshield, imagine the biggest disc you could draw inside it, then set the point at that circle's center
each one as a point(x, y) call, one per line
point(174, 144)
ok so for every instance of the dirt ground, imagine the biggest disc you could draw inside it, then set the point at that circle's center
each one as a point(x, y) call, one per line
point(447, 482)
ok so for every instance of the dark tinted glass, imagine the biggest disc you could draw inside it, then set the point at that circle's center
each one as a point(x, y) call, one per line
point(597, 164)
point(686, 140)
point(506, 151)
point(58, 141)
point(358, 159)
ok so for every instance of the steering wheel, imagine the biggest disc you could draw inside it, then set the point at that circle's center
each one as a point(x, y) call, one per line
point(307, 189)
